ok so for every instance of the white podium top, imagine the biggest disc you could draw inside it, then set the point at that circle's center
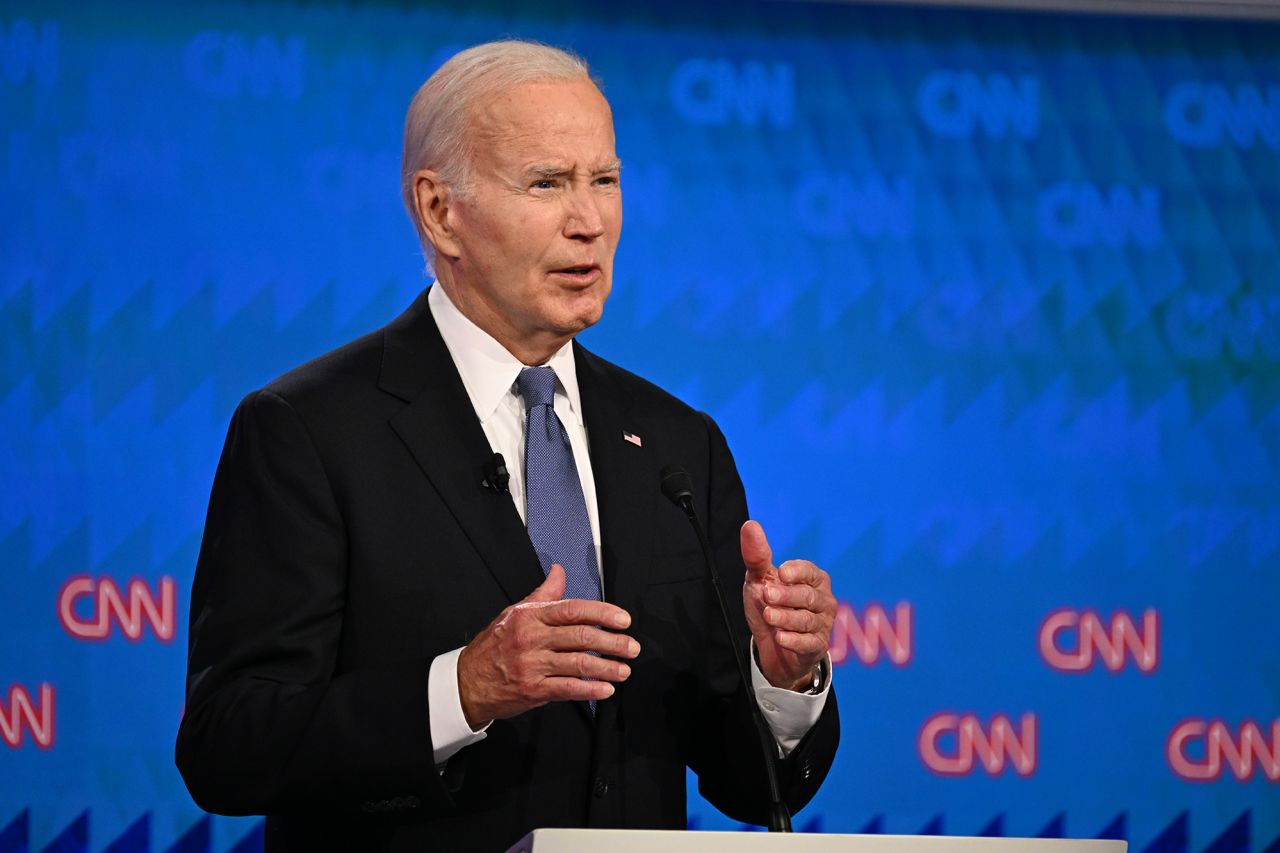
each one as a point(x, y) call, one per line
point(669, 841)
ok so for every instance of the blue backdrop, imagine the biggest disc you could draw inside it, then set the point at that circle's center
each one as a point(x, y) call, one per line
point(988, 305)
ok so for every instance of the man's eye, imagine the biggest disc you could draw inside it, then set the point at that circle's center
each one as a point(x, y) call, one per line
point(607, 180)
point(544, 184)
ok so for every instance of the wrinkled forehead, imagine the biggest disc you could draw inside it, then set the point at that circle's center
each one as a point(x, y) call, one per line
point(541, 119)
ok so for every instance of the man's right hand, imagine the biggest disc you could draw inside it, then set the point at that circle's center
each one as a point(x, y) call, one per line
point(536, 652)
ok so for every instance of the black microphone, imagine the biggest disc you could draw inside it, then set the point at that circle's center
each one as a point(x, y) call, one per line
point(496, 476)
point(677, 485)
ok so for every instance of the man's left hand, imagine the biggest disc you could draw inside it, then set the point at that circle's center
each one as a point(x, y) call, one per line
point(790, 610)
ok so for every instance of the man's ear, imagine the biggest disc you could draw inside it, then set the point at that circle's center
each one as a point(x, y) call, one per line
point(433, 202)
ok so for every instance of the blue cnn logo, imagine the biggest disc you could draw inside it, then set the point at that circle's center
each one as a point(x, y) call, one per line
point(1079, 215)
point(717, 92)
point(1207, 326)
point(226, 65)
point(959, 104)
point(1204, 115)
point(29, 53)
point(838, 205)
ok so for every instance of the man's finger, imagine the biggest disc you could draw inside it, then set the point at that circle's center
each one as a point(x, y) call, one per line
point(581, 611)
point(801, 644)
point(552, 588)
point(803, 572)
point(756, 553)
point(569, 689)
point(583, 665)
point(804, 621)
point(588, 638)
point(799, 595)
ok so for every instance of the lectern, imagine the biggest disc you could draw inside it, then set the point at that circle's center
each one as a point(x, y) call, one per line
point(670, 841)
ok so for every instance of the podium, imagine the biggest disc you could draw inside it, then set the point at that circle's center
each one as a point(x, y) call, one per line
point(674, 841)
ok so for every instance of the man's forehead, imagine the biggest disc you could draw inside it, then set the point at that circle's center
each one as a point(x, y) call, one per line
point(563, 124)
point(534, 154)
point(531, 109)
point(525, 91)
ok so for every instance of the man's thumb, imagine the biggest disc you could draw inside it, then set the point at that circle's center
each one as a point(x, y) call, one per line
point(551, 589)
point(756, 553)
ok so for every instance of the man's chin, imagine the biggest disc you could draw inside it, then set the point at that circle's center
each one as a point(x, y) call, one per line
point(582, 315)
point(570, 328)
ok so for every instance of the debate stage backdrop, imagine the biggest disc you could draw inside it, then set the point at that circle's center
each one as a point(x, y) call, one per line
point(988, 305)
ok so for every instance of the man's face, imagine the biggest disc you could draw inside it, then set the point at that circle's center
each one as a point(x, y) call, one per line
point(536, 236)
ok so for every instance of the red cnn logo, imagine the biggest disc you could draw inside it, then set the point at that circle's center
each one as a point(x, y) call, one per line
point(993, 746)
point(871, 635)
point(1220, 748)
point(108, 605)
point(21, 715)
point(1112, 644)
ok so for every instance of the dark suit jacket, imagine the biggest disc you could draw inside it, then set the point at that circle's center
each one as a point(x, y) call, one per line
point(349, 541)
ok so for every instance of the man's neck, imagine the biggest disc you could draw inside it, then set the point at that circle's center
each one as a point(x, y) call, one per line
point(529, 353)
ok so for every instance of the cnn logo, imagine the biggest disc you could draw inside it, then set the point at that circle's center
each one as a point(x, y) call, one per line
point(1219, 747)
point(21, 714)
point(89, 608)
point(955, 744)
point(1114, 642)
point(874, 635)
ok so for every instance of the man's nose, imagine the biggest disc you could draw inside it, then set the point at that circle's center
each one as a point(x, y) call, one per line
point(584, 220)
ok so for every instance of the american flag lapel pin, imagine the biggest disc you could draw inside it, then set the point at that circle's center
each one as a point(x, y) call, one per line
point(632, 438)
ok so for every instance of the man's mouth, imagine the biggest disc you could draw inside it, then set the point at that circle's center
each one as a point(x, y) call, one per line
point(585, 272)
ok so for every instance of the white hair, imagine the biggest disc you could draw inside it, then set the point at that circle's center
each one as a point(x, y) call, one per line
point(437, 127)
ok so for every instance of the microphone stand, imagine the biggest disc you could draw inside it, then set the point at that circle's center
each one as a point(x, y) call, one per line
point(677, 485)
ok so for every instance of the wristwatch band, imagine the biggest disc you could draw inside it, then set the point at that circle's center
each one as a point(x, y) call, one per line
point(819, 678)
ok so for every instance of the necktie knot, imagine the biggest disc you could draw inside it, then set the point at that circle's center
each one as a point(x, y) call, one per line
point(537, 386)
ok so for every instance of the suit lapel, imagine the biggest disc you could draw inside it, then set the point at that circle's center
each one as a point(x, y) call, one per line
point(626, 484)
point(440, 429)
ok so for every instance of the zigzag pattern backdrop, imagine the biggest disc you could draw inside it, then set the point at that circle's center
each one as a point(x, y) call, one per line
point(988, 305)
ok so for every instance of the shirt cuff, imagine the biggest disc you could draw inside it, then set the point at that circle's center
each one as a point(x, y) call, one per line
point(450, 730)
point(790, 715)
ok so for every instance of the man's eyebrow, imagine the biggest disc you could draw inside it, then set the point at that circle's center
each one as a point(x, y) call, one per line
point(546, 171)
point(549, 171)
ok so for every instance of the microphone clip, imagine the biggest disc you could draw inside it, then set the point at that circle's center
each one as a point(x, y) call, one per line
point(496, 476)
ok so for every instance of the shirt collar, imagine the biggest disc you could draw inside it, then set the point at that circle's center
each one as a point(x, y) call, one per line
point(487, 369)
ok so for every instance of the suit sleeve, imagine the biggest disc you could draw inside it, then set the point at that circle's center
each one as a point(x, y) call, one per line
point(269, 725)
point(727, 759)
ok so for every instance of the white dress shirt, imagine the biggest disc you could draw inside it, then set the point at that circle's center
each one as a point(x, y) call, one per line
point(489, 374)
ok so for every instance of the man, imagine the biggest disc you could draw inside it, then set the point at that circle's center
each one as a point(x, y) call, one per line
point(393, 647)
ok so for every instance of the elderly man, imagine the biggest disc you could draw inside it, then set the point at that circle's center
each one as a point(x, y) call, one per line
point(396, 644)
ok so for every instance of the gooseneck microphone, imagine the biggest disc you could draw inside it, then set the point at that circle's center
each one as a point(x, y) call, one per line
point(677, 485)
point(496, 475)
